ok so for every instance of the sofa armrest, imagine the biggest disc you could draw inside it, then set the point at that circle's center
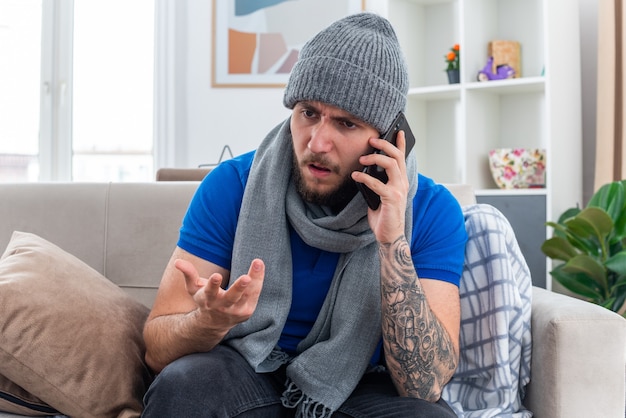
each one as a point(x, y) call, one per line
point(578, 358)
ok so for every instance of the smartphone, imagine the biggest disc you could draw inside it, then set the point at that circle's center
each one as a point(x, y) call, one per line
point(399, 124)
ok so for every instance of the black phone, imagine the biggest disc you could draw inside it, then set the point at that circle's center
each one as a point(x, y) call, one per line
point(399, 124)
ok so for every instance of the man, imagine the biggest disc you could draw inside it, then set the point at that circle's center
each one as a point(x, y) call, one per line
point(286, 295)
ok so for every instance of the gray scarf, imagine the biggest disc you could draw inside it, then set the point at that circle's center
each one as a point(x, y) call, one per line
point(336, 353)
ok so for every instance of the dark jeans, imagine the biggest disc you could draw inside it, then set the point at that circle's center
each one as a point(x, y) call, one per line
point(222, 384)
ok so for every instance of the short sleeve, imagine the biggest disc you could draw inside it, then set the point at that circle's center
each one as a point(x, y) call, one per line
point(439, 235)
point(208, 228)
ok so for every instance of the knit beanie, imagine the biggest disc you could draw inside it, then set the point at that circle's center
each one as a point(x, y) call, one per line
point(355, 64)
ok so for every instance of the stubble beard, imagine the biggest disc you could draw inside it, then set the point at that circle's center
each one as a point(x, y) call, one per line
point(336, 199)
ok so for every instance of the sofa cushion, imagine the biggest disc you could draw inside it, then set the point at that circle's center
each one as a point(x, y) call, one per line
point(70, 337)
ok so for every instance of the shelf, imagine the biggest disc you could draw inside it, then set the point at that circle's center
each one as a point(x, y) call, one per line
point(511, 86)
point(456, 125)
point(453, 91)
point(430, 2)
point(539, 191)
point(443, 92)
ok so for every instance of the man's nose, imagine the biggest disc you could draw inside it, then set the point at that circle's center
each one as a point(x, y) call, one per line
point(321, 140)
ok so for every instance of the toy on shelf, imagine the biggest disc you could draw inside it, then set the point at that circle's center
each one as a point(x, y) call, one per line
point(503, 62)
point(502, 72)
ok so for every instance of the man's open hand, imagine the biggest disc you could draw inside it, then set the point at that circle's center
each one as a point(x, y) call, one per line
point(223, 308)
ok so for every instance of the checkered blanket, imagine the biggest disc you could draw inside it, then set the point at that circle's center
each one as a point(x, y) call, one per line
point(496, 288)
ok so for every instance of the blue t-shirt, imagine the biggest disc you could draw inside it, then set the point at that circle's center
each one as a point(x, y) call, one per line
point(208, 231)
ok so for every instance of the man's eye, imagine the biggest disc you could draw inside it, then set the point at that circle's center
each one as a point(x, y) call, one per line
point(348, 124)
point(308, 113)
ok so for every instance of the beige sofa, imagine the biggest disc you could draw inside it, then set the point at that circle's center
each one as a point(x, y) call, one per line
point(128, 231)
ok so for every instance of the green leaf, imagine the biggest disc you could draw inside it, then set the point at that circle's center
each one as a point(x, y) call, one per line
point(610, 197)
point(587, 246)
point(615, 247)
point(569, 213)
point(617, 263)
point(616, 206)
point(559, 226)
point(619, 231)
point(608, 304)
point(558, 248)
point(584, 264)
point(591, 222)
point(559, 229)
point(604, 195)
point(619, 302)
point(619, 287)
point(577, 283)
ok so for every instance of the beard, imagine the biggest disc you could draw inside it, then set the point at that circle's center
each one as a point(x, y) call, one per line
point(336, 199)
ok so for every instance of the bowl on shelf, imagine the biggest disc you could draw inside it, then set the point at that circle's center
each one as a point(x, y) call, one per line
point(518, 168)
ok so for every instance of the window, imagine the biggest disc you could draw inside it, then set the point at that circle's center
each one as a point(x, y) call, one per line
point(20, 55)
point(77, 93)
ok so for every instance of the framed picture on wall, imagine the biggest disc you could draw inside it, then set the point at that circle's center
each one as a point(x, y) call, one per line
point(256, 42)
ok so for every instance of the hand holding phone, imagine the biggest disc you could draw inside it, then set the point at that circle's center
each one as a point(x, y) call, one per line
point(399, 124)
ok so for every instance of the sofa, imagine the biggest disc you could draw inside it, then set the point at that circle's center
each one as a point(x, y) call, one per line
point(126, 232)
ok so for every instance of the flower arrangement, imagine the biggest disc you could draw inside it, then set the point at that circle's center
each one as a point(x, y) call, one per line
point(452, 58)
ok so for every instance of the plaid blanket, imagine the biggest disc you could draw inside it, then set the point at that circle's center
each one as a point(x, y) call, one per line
point(496, 289)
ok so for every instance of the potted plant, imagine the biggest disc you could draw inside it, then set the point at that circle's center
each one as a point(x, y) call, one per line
point(591, 247)
point(453, 64)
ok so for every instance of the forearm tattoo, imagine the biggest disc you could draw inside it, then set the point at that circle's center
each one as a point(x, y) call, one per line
point(419, 352)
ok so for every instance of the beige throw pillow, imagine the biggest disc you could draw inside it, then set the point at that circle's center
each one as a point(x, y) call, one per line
point(16, 400)
point(70, 337)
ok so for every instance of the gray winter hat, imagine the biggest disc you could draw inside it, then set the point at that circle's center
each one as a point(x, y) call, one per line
point(355, 64)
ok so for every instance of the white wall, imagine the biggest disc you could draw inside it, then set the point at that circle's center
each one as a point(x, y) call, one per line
point(208, 118)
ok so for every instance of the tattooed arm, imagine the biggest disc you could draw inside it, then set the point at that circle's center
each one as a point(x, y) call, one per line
point(420, 316)
point(420, 325)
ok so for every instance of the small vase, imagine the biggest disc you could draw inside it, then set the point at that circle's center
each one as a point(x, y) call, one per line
point(453, 76)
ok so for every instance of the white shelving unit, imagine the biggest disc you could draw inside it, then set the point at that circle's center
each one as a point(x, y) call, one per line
point(456, 125)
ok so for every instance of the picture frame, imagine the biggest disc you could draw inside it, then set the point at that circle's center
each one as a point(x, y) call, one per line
point(256, 43)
